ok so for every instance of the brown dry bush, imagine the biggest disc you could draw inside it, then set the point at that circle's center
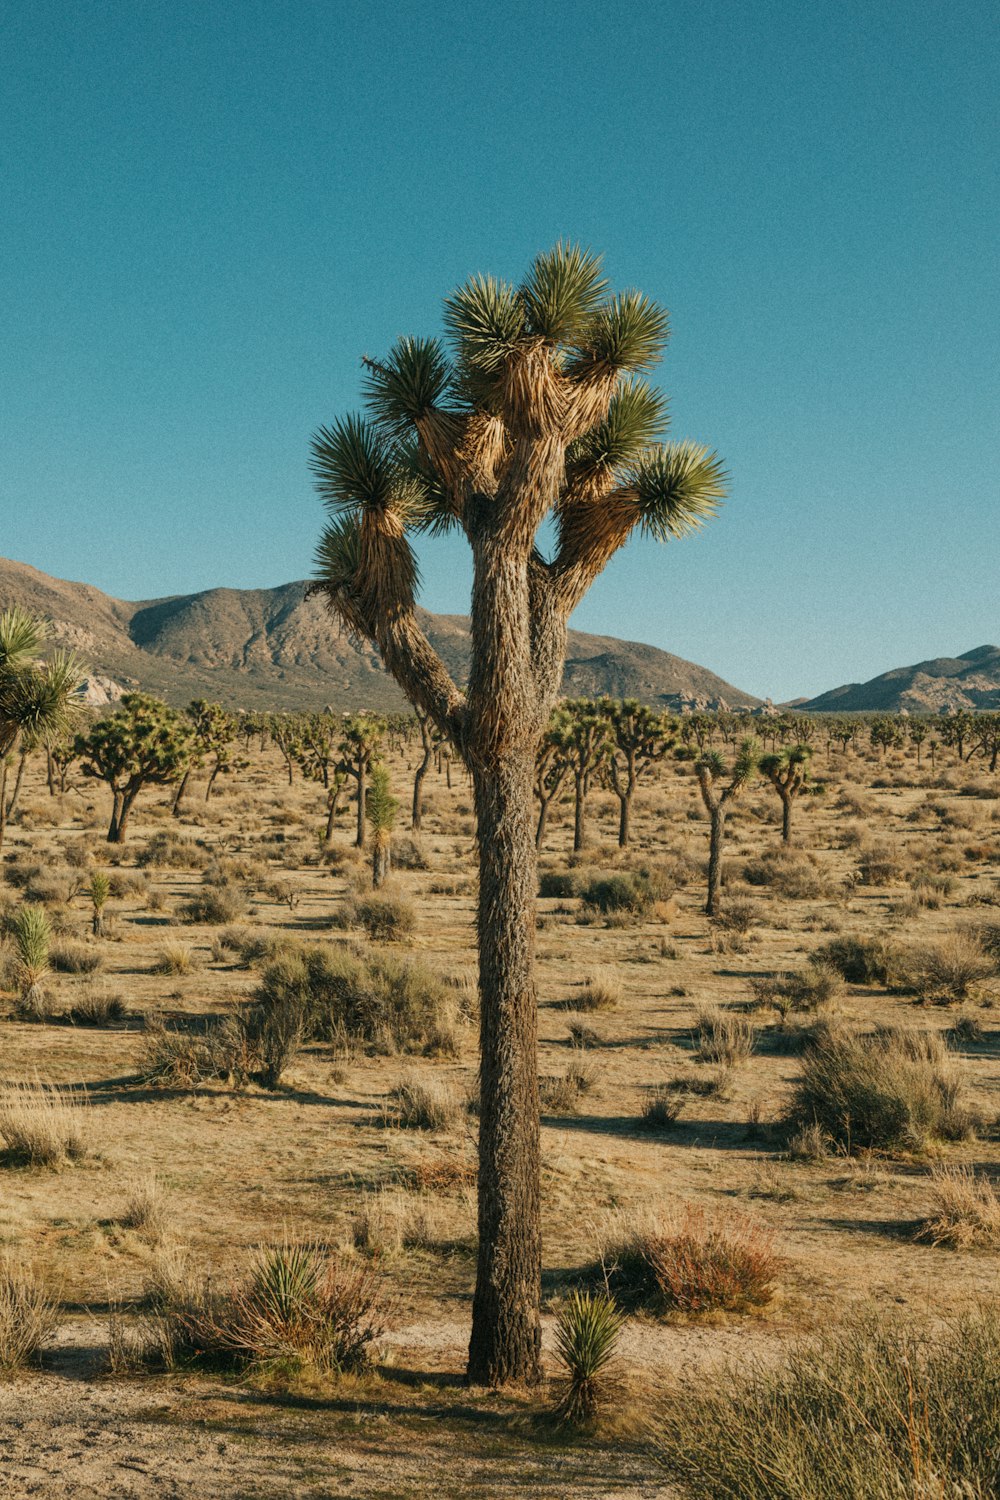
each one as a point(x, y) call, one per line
point(42, 1125)
point(861, 960)
point(75, 958)
point(694, 1264)
point(946, 972)
point(723, 1037)
point(422, 1104)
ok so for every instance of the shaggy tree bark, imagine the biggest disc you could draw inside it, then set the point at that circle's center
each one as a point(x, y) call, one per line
point(717, 835)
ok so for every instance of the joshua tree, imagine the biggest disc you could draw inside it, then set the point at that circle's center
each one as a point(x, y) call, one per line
point(38, 699)
point(532, 414)
point(586, 743)
point(918, 730)
point(214, 732)
point(551, 769)
point(359, 748)
point(711, 768)
point(380, 810)
point(430, 738)
point(787, 771)
point(286, 735)
point(639, 737)
point(143, 743)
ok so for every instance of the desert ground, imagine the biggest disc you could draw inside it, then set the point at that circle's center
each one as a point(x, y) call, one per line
point(634, 1008)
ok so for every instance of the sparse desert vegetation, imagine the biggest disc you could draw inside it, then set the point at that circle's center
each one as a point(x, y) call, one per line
point(241, 1110)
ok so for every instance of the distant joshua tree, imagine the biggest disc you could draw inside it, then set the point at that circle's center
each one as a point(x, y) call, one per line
point(144, 743)
point(533, 412)
point(710, 769)
point(787, 771)
point(380, 810)
point(38, 699)
point(640, 736)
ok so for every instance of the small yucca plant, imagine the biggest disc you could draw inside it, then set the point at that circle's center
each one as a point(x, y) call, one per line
point(587, 1337)
point(32, 937)
point(99, 890)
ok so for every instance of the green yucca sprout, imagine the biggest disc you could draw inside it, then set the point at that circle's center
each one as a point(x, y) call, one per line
point(99, 890)
point(32, 936)
point(587, 1337)
point(380, 810)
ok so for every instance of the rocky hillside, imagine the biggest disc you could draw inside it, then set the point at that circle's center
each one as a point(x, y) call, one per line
point(930, 687)
point(276, 648)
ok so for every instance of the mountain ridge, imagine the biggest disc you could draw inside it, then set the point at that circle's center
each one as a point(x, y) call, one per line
point(941, 684)
point(280, 648)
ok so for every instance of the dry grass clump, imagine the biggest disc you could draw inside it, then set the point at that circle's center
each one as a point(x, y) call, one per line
point(602, 990)
point(879, 866)
point(947, 971)
point(626, 895)
point(562, 1095)
point(69, 957)
point(173, 1058)
point(561, 885)
point(661, 1108)
point(386, 919)
point(789, 873)
point(694, 1264)
point(893, 1091)
point(723, 1037)
point(819, 984)
point(581, 1031)
point(966, 1210)
point(297, 1309)
point(169, 850)
point(41, 1125)
point(216, 905)
point(421, 1104)
point(97, 1007)
point(28, 1314)
point(174, 958)
point(389, 1220)
point(876, 1408)
point(144, 1209)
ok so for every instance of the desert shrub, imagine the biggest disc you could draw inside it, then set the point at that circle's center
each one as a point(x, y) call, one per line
point(174, 958)
point(171, 851)
point(946, 971)
point(385, 1003)
point(174, 1058)
point(216, 905)
point(561, 1095)
point(298, 1308)
point(388, 1220)
point(75, 958)
point(561, 884)
point(877, 1407)
point(661, 1108)
point(581, 1031)
point(143, 1209)
point(587, 1334)
point(408, 855)
point(420, 1104)
point(625, 893)
point(931, 890)
point(861, 960)
point(602, 990)
point(966, 1211)
point(29, 1314)
point(737, 914)
point(893, 1091)
point(722, 1036)
point(694, 1264)
point(878, 866)
point(385, 919)
point(41, 1125)
point(790, 874)
point(818, 984)
point(96, 1007)
point(122, 883)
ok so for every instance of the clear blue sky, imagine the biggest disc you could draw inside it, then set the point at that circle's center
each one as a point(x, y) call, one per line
point(210, 211)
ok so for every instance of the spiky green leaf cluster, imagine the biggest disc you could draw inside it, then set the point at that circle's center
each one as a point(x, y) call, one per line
point(411, 382)
point(678, 488)
point(636, 419)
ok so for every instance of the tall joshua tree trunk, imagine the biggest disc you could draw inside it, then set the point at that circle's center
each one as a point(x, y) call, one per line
point(717, 836)
point(786, 817)
point(506, 1333)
